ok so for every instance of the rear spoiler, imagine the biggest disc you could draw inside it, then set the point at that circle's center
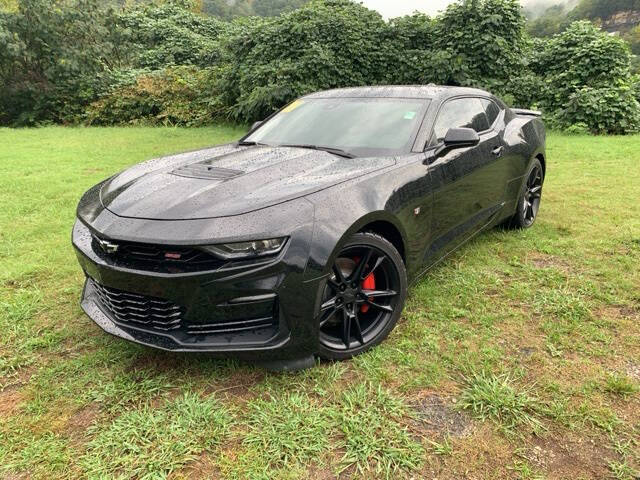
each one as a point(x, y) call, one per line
point(528, 113)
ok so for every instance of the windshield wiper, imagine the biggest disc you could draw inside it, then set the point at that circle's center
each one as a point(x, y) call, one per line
point(335, 151)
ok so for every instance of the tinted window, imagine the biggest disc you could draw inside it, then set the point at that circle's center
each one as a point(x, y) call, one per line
point(460, 113)
point(492, 110)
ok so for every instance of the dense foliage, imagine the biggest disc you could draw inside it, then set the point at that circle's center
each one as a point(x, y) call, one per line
point(265, 8)
point(324, 45)
point(98, 62)
point(172, 96)
point(586, 80)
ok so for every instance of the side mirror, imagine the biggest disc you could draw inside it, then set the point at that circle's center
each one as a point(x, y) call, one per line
point(458, 138)
point(256, 125)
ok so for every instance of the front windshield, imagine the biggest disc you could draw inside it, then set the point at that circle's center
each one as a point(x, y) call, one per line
point(360, 126)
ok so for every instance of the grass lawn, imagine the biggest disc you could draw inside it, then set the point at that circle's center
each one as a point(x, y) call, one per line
point(519, 357)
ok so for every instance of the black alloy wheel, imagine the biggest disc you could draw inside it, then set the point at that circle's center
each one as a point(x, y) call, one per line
point(530, 199)
point(363, 297)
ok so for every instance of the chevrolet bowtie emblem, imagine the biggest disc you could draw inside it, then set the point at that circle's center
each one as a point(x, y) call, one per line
point(107, 246)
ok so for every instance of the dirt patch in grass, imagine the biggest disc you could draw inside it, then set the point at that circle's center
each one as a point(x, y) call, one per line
point(79, 422)
point(483, 454)
point(633, 370)
point(10, 401)
point(541, 260)
point(437, 415)
point(617, 312)
point(569, 456)
point(204, 467)
point(237, 387)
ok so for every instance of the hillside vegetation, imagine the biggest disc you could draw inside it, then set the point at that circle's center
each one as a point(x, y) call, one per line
point(614, 15)
point(87, 61)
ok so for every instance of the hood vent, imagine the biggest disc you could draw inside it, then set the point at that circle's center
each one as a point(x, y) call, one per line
point(206, 171)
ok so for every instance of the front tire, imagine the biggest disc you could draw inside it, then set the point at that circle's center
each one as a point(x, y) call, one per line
point(363, 297)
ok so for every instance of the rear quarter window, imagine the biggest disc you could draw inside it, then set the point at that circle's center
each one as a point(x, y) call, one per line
point(492, 110)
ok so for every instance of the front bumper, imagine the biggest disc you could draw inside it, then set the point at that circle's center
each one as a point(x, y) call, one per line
point(255, 311)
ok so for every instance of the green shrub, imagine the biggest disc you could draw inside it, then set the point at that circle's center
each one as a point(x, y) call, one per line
point(174, 96)
point(587, 80)
point(611, 110)
point(577, 129)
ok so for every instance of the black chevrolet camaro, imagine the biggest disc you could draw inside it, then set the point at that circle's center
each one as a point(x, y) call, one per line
point(301, 239)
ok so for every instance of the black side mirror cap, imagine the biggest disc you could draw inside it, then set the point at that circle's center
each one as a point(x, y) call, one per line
point(458, 138)
point(256, 125)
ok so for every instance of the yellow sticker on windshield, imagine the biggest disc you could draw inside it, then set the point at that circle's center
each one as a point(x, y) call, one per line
point(292, 106)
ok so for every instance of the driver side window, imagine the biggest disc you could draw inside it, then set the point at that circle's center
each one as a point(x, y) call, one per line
point(459, 113)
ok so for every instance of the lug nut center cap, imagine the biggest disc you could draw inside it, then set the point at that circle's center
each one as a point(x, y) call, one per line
point(349, 296)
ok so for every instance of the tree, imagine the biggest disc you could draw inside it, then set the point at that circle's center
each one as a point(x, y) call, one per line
point(51, 48)
point(587, 78)
point(324, 44)
point(484, 39)
point(170, 33)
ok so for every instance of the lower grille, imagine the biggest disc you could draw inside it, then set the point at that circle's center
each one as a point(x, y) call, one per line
point(140, 310)
point(231, 327)
point(152, 313)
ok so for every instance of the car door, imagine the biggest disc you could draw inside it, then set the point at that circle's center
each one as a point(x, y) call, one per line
point(469, 184)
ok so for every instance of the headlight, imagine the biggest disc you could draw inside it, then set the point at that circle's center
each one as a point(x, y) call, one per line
point(258, 248)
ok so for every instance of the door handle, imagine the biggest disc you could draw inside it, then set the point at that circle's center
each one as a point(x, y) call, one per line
point(498, 151)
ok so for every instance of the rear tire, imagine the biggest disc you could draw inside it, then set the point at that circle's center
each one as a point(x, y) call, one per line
point(529, 199)
point(363, 298)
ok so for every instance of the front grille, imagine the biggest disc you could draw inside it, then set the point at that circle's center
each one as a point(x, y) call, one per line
point(157, 257)
point(140, 310)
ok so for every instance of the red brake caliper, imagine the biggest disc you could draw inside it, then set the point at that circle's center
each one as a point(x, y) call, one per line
point(369, 283)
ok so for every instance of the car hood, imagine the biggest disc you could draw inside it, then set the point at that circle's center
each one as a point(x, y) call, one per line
point(227, 180)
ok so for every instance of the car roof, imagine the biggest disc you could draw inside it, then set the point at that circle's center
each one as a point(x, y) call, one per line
point(398, 91)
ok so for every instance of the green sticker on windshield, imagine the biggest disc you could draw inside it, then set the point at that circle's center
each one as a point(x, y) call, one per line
point(410, 115)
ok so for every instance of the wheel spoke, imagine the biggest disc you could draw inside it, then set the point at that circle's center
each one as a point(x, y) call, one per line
point(338, 273)
point(358, 329)
point(535, 189)
point(384, 308)
point(379, 261)
point(331, 303)
point(346, 328)
point(534, 209)
point(326, 316)
point(358, 272)
point(379, 293)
